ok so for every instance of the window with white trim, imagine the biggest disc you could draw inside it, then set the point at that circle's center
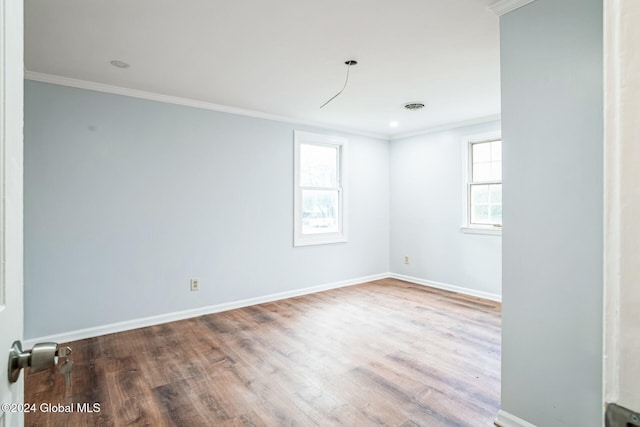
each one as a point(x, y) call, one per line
point(482, 193)
point(319, 189)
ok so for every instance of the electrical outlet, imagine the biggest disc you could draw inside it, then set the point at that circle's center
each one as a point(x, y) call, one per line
point(406, 259)
point(195, 284)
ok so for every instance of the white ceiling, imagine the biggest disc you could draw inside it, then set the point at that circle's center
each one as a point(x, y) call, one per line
point(283, 57)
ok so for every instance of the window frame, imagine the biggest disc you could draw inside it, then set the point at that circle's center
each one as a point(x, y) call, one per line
point(467, 143)
point(299, 238)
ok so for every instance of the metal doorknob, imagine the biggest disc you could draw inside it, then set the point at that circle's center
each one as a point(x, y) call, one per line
point(42, 356)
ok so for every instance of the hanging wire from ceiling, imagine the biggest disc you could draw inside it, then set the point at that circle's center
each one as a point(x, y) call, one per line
point(349, 64)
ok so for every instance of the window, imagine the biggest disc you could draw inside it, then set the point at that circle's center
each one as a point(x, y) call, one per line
point(319, 193)
point(482, 193)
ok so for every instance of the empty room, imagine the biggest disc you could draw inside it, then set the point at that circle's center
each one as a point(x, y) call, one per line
point(343, 213)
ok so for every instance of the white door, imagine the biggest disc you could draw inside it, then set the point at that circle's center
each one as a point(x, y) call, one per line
point(11, 112)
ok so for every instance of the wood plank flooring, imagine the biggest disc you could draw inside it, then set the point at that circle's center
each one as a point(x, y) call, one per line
point(383, 353)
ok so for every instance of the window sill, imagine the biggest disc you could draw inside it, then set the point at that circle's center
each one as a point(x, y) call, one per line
point(481, 230)
point(324, 240)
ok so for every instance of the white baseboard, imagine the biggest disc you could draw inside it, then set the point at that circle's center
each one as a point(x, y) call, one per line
point(186, 314)
point(201, 311)
point(500, 7)
point(447, 287)
point(505, 419)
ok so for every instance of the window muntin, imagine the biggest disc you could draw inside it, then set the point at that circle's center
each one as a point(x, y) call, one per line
point(319, 189)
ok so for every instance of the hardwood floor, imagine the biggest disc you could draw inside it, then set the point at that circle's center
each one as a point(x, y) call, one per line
point(382, 353)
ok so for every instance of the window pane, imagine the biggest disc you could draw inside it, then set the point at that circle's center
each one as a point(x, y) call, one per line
point(479, 194)
point(481, 152)
point(496, 194)
point(496, 214)
point(481, 172)
point(486, 161)
point(496, 150)
point(496, 171)
point(319, 211)
point(480, 214)
point(486, 204)
point(318, 166)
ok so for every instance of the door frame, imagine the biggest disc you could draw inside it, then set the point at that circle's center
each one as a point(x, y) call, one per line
point(11, 198)
point(621, 296)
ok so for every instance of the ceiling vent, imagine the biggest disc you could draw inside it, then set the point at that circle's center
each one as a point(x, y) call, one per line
point(414, 106)
point(119, 64)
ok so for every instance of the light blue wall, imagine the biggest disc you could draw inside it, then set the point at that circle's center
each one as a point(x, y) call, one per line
point(127, 199)
point(552, 127)
point(426, 214)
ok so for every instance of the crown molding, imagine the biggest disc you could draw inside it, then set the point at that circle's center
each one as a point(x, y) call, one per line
point(117, 90)
point(448, 126)
point(500, 7)
point(152, 96)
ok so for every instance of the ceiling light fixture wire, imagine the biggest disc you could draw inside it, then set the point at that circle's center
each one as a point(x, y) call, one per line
point(349, 64)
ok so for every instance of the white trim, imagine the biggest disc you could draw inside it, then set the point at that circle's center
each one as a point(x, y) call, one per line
point(505, 419)
point(621, 325)
point(195, 312)
point(483, 137)
point(613, 186)
point(447, 287)
point(480, 230)
point(4, 104)
point(502, 7)
point(217, 308)
point(11, 197)
point(447, 126)
point(134, 93)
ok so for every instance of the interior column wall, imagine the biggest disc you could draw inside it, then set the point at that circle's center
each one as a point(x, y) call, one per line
point(552, 127)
